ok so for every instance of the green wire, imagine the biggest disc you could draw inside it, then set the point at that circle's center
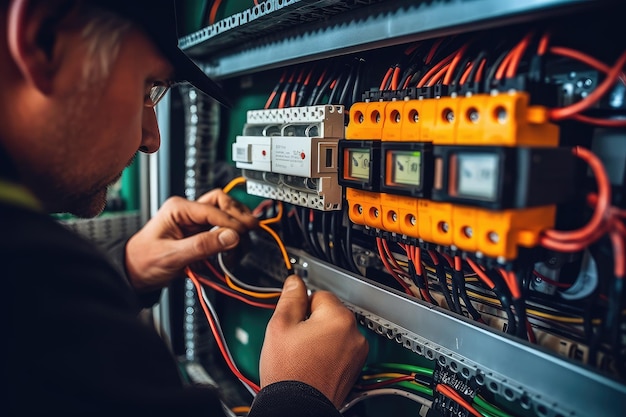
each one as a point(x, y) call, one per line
point(419, 388)
point(490, 408)
point(395, 366)
point(487, 409)
point(482, 411)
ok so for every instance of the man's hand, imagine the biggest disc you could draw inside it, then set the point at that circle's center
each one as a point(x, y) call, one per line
point(183, 232)
point(321, 347)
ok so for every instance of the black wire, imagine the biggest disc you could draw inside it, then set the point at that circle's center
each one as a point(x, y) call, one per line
point(460, 70)
point(350, 256)
point(503, 294)
point(472, 75)
point(455, 294)
point(307, 233)
point(460, 278)
point(339, 242)
point(324, 87)
point(443, 282)
point(493, 69)
point(335, 89)
point(346, 86)
point(328, 235)
point(314, 235)
point(357, 82)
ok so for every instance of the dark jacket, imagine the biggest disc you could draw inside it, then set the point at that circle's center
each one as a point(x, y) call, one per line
point(75, 344)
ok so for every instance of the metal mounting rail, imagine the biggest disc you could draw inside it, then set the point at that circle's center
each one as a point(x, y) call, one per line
point(390, 22)
point(519, 371)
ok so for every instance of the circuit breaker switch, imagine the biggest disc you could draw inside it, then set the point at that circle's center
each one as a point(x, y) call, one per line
point(253, 152)
point(242, 152)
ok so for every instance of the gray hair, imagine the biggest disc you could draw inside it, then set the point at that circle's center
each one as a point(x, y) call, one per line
point(103, 32)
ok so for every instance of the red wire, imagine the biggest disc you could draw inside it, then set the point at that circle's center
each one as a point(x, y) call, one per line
point(390, 255)
point(585, 59)
point(551, 281)
point(503, 65)
point(393, 273)
point(466, 73)
point(438, 76)
point(511, 281)
point(517, 55)
point(552, 239)
point(395, 79)
point(479, 72)
point(413, 254)
point(213, 12)
point(600, 122)
point(433, 256)
point(214, 271)
point(618, 237)
point(434, 69)
point(231, 294)
point(481, 274)
point(454, 396)
point(542, 48)
point(385, 383)
point(410, 49)
point(308, 77)
point(448, 258)
point(386, 78)
point(218, 339)
point(321, 77)
point(599, 91)
point(455, 61)
point(433, 50)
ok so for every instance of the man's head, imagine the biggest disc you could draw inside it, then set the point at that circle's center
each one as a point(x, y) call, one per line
point(75, 101)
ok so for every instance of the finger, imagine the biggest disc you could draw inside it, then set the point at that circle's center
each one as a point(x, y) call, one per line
point(205, 244)
point(293, 304)
point(322, 301)
point(190, 213)
point(231, 206)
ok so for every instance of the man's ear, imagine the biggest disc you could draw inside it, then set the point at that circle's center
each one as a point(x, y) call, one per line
point(32, 34)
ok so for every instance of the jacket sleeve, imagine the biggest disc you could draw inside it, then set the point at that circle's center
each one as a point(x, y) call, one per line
point(117, 255)
point(292, 398)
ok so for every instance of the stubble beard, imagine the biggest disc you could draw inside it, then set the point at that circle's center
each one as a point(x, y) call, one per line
point(81, 194)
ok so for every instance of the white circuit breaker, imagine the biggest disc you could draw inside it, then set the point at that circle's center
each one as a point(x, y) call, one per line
point(298, 146)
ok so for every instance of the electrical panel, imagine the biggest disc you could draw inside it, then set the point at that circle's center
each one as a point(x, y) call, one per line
point(454, 171)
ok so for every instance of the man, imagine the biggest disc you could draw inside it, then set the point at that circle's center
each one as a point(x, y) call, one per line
point(79, 80)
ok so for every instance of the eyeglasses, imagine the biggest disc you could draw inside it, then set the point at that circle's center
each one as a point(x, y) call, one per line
point(156, 92)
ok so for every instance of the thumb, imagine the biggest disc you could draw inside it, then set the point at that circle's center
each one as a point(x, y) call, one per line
point(202, 245)
point(293, 304)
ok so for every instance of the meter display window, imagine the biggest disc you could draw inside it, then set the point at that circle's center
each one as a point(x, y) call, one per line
point(406, 167)
point(359, 166)
point(477, 175)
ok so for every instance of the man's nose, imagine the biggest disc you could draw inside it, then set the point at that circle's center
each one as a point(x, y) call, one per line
point(150, 136)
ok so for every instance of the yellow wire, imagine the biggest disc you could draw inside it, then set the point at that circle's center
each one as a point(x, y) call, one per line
point(233, 183)
point(532, 312)
point(468, 277)
point(276, 219)
point(242, 409)
point(232, 285)
point(280, 243)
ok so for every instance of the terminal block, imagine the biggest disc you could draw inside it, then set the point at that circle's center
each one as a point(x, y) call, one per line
point(312, 121)
point(291, 155)
point(317, 193)
point(499, 119)
point(366, 120)
point(501, 177)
